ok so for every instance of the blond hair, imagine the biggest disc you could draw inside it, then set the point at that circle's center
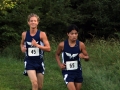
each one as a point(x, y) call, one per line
point(33, 15)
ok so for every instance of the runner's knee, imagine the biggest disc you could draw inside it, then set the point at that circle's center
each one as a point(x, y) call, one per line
point(34, 84)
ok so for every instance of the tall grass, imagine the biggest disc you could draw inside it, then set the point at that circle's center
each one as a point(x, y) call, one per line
point(102, 72)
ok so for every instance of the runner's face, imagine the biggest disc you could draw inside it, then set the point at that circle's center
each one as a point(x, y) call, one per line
point(33, 22)
point(73, 35)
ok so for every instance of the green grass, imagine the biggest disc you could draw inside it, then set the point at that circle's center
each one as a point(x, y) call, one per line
point(102, 72)
point(11, 77)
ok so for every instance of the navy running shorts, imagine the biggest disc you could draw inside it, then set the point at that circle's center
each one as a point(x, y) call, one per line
point(73, 77)
point(37, 65)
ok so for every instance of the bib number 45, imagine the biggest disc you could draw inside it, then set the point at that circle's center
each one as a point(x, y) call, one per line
point(33, 51)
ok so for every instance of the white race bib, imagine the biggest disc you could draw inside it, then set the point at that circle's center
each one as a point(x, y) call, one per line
point(33, 51)
point(71, 65)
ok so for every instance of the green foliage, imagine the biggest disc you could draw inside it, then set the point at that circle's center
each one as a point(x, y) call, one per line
point(117, 35)
point(7, 4)
point(14, 21)
point(13, 51)
point(104, 56)
point(96, 17)
point(93, 17)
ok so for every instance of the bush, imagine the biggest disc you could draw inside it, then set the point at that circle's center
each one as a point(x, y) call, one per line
point(13, 51)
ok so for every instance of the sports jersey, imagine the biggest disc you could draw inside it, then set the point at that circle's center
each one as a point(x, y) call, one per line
point(70, 56)
point(33, 55)
point(33, 52)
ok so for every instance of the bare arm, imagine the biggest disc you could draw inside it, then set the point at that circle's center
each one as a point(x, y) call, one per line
point(83, 53)
point(23, 49)
point(57, 55)
point(46, 46)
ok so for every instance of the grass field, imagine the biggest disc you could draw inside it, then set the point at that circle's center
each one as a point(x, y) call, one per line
point(102, 72)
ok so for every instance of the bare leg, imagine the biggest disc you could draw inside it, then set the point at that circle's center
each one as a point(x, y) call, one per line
point(71, 86)
point(33, 79)
point(40, 78)
point(78, 86)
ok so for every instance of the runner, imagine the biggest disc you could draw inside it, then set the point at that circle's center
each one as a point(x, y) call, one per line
point(72, 50)
point(34, 42)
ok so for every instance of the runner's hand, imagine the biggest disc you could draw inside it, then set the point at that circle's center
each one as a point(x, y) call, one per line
point(86, 58)
point(23, 49)
point(62, 66)
point(34, 43)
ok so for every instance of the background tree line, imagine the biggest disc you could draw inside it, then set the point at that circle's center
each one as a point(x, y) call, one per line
point(95, 18)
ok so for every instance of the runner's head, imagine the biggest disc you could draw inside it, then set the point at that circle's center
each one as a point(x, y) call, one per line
point(33, 15)
point(33, 20)
point(72, 32)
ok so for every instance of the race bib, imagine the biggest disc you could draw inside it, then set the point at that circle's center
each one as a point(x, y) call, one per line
point(71, 65)
point(33, 51)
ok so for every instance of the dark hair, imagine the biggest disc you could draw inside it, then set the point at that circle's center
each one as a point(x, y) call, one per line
point(72, 27)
